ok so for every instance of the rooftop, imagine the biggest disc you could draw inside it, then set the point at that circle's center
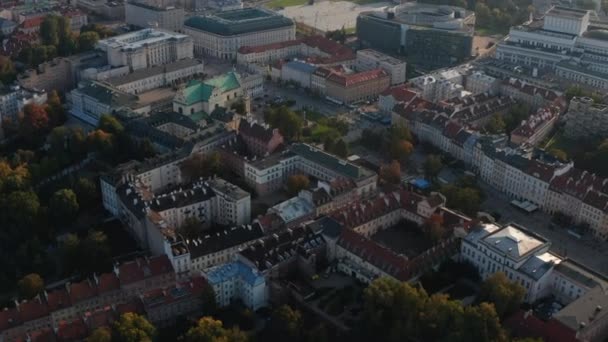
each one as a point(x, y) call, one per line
point(349, 80)
point(107, 95)
point(330, 161)
point(567, 12)
point(227, 272)
point(215, 240)
point(239, 21)
point(514, 241)
point(141, 74)
point(139, 39)
point(201, 91)
point(293, 209)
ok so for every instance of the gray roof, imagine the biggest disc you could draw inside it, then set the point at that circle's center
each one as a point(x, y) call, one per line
point(230, 190)
point(141, 74)
point(239, 21)
point(514, 241)
point(537, 266)
point(220, 238)
point(107, 95)
point(581, 274)
point(591, 307)
point(330, 161)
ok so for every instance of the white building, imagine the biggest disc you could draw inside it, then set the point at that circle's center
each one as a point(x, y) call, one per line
point(236, 280)
point(478, 82)
point(143, 15)
point(146, 48)
point(369, 59)
point(565, 41)
point(13, 99)
point(91, 100)
point(158, 76)
point(297, 72)
point(586, 119)
point(222, 34)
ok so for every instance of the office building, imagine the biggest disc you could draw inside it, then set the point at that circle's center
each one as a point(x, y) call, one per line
point(140, 14)
point(369, 59)
point(221, 35)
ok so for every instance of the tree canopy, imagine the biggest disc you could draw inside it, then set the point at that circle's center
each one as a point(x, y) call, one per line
point(132, 327)
point(64, 206)
point(208, 329)
point(30, 285)
point(506, 295)
point(298, 182)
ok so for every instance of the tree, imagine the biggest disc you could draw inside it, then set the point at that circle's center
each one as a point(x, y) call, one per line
point(86, 192)
point(30, 286)
point(208, 329)
point(506, 296)
point(340, 149)
point(191, 228)
point(100, 335)
point(101, 142)
point(87, 40)
point(464, 198)
point(49, 31)
point(432, 166)
point(67, 44)
point(286, 323)
point(110, 124)
point(34, 121)
point(95, 250)
point(64, 205)
point(201, 166)
point(20, 207)
point(69, 249)
point(391, 173)
point(296, 183)
point(434, 229)
point(286, 120)
point(101, 30)
point(561, 155)
point(208, 302)
point(132, 327)
point(239, 107)
point(495, 125)
point(7, 70)
point(55, 109)
point(401, 149)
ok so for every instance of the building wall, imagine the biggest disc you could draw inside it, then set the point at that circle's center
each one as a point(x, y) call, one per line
point(171, 19)
point(358, 92)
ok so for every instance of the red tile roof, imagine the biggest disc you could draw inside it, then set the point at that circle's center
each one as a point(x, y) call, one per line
point(266, 47)
point(72, 331)
point(522, 324)
point(400, 93)
point(451, 130)
point(58, 299)
point(9, 318)
point(82, 291)
point(32, 310)
point(536, 121)
point(540, 170)
point(348, 80)
point(328, 46)
point(108, 282)
point(140, 269)
point(32, 22)
point(377, 255)
point(364, 211)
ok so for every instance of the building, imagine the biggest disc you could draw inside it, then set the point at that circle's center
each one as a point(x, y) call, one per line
point(52, 75)
point(222, 34)
point(478, 82)
point(141, 14)
point(443, 84)
point(146, 48)
point(163, 306)
point(113, 10)
point(238, 281)
point(217, 5)
point(399, 95)
point(316, 50)
point(368, 59)
point(565, 41)
point(170, 74)
point(430, 35)
point(208, 95)
point(13, 99)
point(260, 139)
point(91, 100)
point(356, 87)
point(7, 26)
point(297, 72)
point(536, 128)
point(586, 119)
point(532, 95)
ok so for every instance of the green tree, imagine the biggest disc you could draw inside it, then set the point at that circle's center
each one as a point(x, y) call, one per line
point(87, 40)
point(55, 109)
point(30, 286)
point(132, 327)
point(20, 207)
point(101, 30)
point(464, 198)
point(110, 124)
point(100, 335)
point(401, 149)
point(64, 205)
point(86, 192)
point(208, 303)
point(340, 148)
point(561, 155)
point(506, 296)
point(208, 329)
point(495, 125)
point(7, 70)
point(199, 165)
point(391, 173)
point(286, 323)
point(95, 250)
point(70, 252)
point(286, 120)
point(432, 166)
point(49, 31)
point(296, 183)
point(239, 107)
point(191, 228)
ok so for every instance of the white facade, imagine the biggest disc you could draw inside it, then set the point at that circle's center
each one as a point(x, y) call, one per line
point(146, 48)
point(479, 82)
point(237, 280)
point(143, 15)
point(13, 101)
point(369, 59)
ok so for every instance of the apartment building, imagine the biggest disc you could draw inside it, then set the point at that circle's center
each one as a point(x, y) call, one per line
point(536, 128)
point(144, 15)
point(222, 34)
point(13, 99)
point(478, 82)
point(360, 86)
point(146, 48)
point(586, 119)
point(238, 281)
point(369, 59)
point(532, 95)
point(260, 139)
point(398, 95)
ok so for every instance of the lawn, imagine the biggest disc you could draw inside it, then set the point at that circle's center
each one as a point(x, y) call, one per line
point(285, 3)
